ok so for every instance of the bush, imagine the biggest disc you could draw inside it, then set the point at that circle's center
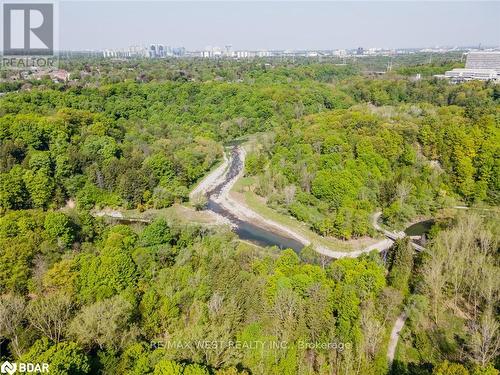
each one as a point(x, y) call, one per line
point(200, 202)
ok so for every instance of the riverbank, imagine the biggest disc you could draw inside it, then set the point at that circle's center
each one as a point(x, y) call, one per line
point(219, 187)
point(253, 202)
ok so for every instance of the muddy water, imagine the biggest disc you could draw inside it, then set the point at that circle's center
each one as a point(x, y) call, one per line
point(244, 229)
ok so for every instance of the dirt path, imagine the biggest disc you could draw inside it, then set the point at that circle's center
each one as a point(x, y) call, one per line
point(393, 341)
point(244, 213)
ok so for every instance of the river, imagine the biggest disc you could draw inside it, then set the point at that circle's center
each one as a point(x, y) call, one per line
point(244, 229)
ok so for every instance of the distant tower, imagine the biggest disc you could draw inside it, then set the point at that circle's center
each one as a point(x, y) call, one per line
point(152, 50)
point(161, 50)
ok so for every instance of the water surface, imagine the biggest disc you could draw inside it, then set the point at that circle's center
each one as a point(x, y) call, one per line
point(422, 227)
point(244, 229)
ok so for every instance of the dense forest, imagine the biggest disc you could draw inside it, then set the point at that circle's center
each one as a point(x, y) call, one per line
point(92, 296)
point(332, 170)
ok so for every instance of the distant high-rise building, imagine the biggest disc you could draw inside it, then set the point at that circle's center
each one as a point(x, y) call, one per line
point(178, 51)
point(137, 51)
point(339, 52)
point(161, 51)
point(156, 50)
point(152, 50)
point(360, 51)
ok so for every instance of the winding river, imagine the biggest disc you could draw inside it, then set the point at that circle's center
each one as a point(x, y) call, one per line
point(244, 229)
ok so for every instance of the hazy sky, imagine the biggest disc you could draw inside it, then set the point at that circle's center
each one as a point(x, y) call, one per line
point(278, 25)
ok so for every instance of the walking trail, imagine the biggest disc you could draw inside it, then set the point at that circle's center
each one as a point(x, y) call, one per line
point(393, 341)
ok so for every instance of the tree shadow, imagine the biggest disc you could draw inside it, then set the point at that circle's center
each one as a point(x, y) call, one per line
point(412, 368)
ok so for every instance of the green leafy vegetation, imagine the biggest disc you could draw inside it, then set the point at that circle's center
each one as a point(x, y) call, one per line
point(454, 291)
point(332, 170)
point(91, 295)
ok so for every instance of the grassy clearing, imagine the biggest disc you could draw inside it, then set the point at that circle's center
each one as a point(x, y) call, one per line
point(175, 214)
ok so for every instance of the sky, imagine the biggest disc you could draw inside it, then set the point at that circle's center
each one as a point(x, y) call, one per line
point(278, 25)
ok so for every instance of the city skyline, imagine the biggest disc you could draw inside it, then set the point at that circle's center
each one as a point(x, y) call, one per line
point(278, 25)
point(352, 50)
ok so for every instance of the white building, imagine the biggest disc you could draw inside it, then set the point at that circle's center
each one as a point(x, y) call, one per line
point(483, 66)
point(464, 74)
point(483, 60)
